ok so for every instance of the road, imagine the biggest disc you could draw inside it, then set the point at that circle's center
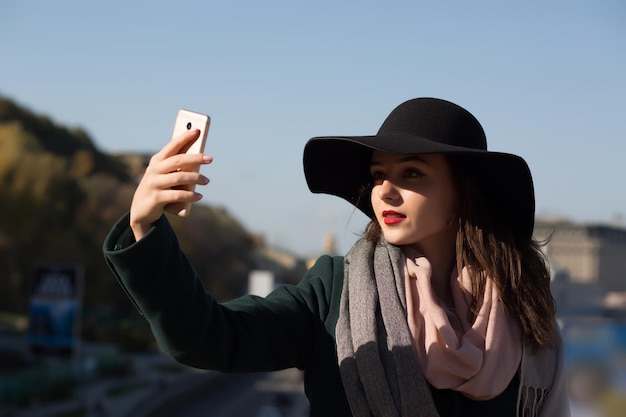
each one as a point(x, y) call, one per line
point(278, 394)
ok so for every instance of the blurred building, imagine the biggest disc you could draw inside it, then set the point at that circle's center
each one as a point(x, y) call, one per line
point(329, 247)
point(588, 263)
point(284, 265)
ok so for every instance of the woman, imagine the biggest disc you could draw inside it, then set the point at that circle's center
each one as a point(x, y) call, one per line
point(443, 308)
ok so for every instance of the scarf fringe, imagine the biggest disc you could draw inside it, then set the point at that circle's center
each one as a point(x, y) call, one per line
point(532, 399)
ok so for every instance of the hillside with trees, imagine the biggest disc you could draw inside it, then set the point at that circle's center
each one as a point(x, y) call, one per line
point(60, 195)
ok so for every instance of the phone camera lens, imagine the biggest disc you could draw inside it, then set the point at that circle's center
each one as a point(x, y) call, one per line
point(188, 125)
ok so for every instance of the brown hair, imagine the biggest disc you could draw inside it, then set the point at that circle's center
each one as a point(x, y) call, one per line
point(491, 247)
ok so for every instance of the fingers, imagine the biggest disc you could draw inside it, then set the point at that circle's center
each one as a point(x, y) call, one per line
point(177, 180)
point(177, 162)
point(169, 181)
point(164, 192)
point(179, 143)
point(185, 162)
point(176, 148)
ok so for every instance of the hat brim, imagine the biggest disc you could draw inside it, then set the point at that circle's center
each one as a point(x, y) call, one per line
point(339, 165)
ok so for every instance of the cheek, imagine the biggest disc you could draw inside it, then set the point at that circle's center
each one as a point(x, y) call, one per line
point(452, 202)
point(438, 210)
point(376, 207)
point(374, 200)
point(448, 208)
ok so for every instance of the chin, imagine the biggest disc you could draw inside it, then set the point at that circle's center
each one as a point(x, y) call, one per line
point(397, 240)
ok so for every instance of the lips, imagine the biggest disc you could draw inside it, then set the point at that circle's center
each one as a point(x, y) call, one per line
point(392, 217)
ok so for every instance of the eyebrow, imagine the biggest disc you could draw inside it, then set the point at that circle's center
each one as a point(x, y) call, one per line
point(409, 158)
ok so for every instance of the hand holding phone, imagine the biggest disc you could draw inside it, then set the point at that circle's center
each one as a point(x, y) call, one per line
point(187, 120)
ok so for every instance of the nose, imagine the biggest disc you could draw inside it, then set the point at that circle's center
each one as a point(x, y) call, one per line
point(387, 190)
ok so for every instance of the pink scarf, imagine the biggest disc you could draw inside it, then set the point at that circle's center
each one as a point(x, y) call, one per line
point(477, 359)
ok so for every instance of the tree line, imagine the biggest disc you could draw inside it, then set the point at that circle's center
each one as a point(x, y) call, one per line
point(60, 195)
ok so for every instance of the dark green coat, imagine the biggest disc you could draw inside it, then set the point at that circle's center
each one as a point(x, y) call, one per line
point(294, 326)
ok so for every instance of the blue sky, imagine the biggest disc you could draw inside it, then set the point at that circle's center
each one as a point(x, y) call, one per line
point(546, 79)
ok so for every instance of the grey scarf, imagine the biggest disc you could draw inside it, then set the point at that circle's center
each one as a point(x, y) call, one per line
point(378, 364)
point(377, 360)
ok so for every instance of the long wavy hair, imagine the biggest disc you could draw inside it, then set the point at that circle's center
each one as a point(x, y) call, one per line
point(490, 245)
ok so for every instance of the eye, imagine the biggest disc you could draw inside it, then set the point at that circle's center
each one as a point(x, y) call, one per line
point(377, 177)
point(413, 173)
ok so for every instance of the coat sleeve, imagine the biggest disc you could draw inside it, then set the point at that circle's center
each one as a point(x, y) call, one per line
point(244, 335)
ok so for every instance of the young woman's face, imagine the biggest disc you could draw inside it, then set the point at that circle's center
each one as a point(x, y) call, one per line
point(414, 199)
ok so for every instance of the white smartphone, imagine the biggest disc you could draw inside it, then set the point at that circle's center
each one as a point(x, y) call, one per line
point(187, 120)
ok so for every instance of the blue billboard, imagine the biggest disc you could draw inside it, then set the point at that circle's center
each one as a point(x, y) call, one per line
point(55, 308)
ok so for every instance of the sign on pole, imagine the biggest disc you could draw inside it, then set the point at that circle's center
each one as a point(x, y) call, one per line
point(55, 307)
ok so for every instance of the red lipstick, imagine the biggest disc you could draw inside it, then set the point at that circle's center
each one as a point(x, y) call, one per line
point(392, 217)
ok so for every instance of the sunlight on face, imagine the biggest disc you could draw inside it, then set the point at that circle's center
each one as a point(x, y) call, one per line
point(414, 199)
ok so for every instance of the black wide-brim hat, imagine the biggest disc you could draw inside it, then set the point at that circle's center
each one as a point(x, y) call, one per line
point(339, 165)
